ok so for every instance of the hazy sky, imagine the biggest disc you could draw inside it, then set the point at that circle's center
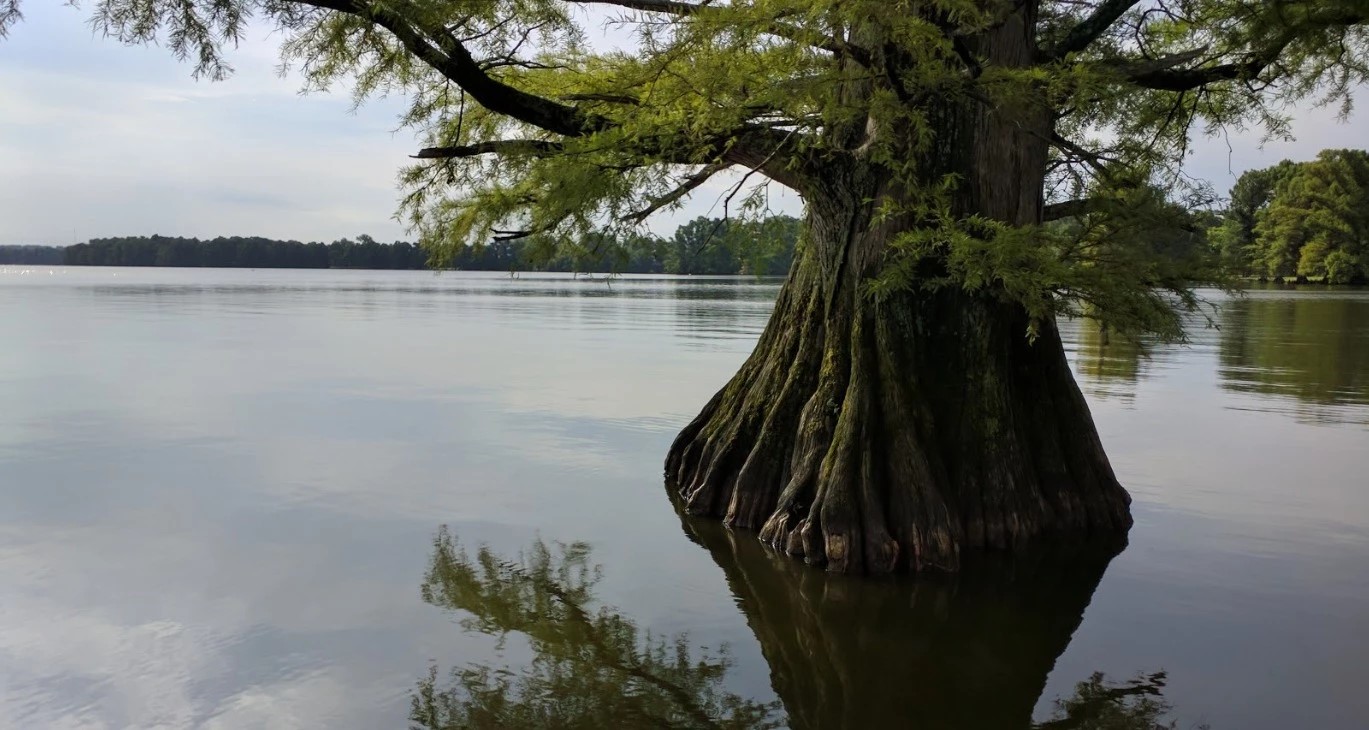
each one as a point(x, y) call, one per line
point(98, 139)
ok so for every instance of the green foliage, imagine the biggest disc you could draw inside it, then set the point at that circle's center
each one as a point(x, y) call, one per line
point(30, 255)
point(1075, 268)
point(722, 246)
point(244, 252)
point(762, 247)
point(1308, 219)
point(536, 130)
point(1234, 238)
point(1339, 267)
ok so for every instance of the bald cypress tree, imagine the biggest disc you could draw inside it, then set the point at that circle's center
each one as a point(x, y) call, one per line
point(970, 170)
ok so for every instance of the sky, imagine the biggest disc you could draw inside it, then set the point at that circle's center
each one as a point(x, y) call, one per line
point(99, 139)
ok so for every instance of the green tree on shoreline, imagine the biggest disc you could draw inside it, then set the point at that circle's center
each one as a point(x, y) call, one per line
point(1301, 219)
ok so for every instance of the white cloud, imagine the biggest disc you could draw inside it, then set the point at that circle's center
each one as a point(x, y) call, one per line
point(131, 624)
point(295, 704)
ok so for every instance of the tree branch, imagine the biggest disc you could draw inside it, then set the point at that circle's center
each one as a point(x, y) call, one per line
point(1248, 65)
point(1091, 159)
point(833, 45)
point(1091, 28)
point(606, 98)
point(1145, 67)
point(691, 182)
point(1187, 79)
point(493, 147)
point(451, 59)
point(669, 7)
point(1067, 209)
point(751, 145)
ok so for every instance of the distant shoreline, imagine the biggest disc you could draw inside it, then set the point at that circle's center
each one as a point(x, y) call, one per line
point(702, 247)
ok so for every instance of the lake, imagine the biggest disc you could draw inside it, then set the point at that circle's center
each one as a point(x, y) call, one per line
point(239, 499)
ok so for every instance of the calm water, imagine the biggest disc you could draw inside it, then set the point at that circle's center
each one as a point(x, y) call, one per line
point(223, 497)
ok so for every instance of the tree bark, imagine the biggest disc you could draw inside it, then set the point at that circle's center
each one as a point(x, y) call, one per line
point(877, 435)
point(874, 436)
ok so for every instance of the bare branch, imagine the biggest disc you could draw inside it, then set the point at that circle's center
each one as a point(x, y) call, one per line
point(493, 147)
point(1093, 160)
point(608, 98)
point(1187, 79)
point(669, 7)
point(689, 184)
point(1091, 28)
point(819, 41)
point(751, 145)
point(451, 59)
point(1142, 68)
point(1251, 64)
point(1067, 209)
point(9, 15)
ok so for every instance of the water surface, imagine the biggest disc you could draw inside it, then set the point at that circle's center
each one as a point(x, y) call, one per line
point(223, 497)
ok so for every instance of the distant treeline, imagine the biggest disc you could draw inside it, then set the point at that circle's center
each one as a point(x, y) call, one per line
point(1304, 220)
point(701, 246)
point(51, 255)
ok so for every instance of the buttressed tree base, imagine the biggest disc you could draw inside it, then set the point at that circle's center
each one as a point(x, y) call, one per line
point(970, 169)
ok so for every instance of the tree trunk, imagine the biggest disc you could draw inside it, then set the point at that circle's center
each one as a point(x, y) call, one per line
point(872, 436)
point(875, 436)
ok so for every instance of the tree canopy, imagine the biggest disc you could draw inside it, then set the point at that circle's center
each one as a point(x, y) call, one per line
point(537, 127)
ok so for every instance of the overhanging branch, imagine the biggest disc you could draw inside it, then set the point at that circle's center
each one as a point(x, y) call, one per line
point(689, 184)
point(1161, 74)
point(438, 48)
point(752, 145)
point(1067, 209)
point(1091, 28)
point(796, 34)
point(1149, 67)
point(1092, 159)
point(493, 147)
point(1187, 79)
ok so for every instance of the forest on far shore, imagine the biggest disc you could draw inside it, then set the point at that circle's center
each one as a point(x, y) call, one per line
point(1295, 220)
point(1301, 220)
point(700, 246)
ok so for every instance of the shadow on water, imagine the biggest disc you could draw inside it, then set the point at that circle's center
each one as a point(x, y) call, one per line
point(972, 651)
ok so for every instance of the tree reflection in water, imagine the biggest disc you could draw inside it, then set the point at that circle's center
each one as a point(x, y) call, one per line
point(966, 652)
point(591, 667)
point(1109, 365)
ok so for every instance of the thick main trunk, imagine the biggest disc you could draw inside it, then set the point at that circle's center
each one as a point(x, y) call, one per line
point(871, 436)
point(876, 436)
